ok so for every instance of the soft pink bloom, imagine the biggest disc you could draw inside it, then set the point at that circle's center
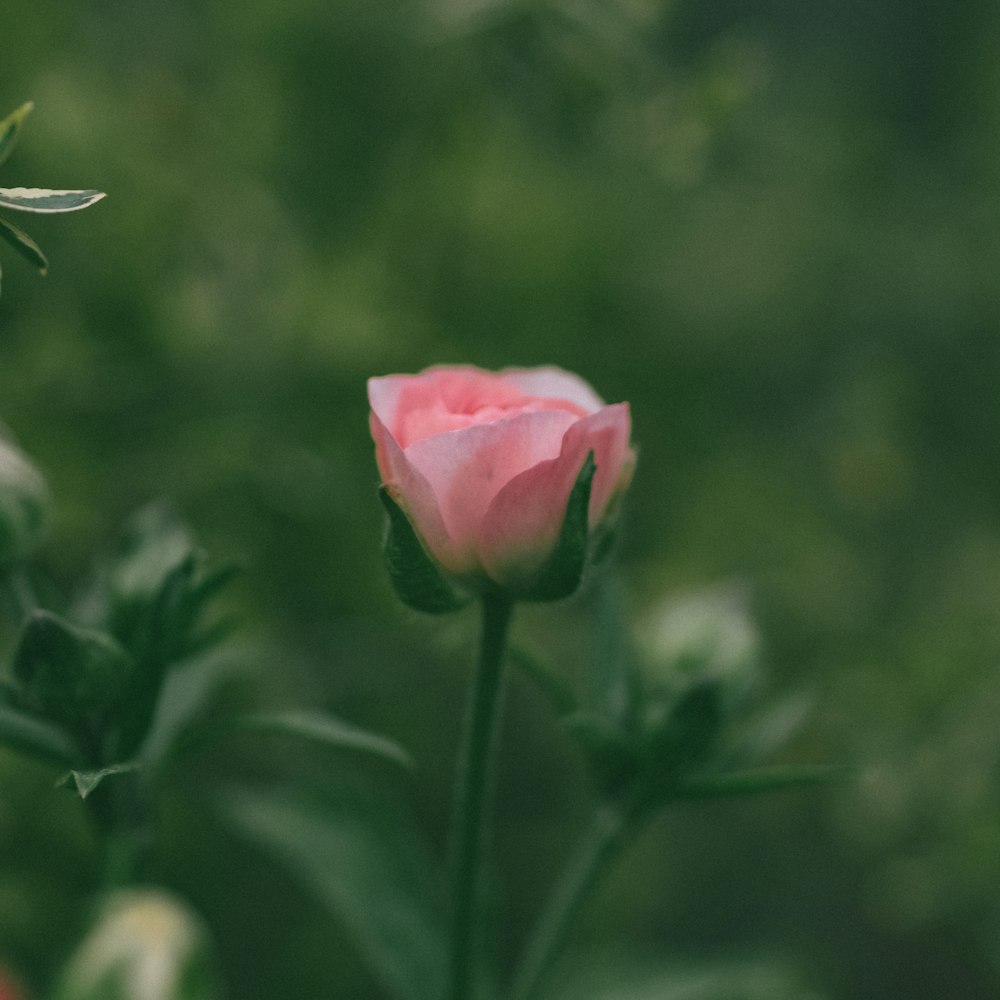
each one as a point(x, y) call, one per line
point(483, 462)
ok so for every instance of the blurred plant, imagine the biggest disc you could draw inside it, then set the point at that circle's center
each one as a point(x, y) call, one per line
point(42, 200)
point(115, 688)
point(143, 945)
point(667, 722)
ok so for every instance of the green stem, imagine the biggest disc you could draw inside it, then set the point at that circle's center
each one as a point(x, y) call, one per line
point(597, 847)
point(473, 784)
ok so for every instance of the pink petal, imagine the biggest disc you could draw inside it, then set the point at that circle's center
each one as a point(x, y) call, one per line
point(465, 469)
point(414, 495)
point(554, 383)
point(522, 524)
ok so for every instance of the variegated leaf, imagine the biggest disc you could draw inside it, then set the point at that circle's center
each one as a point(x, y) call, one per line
point(9, 128)
point(44, 200)
point(24, 245)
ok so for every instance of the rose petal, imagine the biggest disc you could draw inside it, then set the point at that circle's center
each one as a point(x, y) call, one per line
point(466, 468)
point(520, 528)
point(414, 495)
point(554, 383)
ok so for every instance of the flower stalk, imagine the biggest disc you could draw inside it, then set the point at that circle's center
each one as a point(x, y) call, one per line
point(473, 791)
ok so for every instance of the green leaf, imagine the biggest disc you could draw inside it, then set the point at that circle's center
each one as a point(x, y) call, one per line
point(759, 780)
point(187, 697)
point(86, 781)
point(555, 691)
point(679, 743)
point(73, 673)
point(416, 577)
point(562, 574)
point(28, 733)
point(325, 730)
point(10, 127)
point(356, 848)
point(45, 200)
point(23, 504)
point(24, 245)
point(610, 753)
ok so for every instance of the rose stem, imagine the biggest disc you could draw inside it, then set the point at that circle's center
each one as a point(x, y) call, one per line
point(473, 783)
point(597, 847)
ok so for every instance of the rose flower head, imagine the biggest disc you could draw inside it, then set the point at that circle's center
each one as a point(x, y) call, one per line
point(505, 478)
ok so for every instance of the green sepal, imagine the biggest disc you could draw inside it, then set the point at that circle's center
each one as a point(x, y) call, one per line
point(414, 575)
point(563, 572)
point(10, 126)
point(24, 245)
point(76, 675)
point(86, 781)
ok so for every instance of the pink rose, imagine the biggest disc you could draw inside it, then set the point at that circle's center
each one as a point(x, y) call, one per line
point(482, 463)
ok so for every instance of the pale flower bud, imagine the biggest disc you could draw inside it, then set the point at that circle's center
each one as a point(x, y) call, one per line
point(144, 945)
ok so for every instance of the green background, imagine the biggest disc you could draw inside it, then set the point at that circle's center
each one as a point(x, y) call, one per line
point(771, 227)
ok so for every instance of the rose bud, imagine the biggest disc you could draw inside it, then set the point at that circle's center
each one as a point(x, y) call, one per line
point(504, 477)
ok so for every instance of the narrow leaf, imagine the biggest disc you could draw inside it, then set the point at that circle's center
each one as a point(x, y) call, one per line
point(325, 730)
point(415, 576)
point(31, 734)
point(10, 127)
point(763, 779)
point(70, 672)
point(357, 849)
point(46, 200)
point(556, 692)
point(24, 245)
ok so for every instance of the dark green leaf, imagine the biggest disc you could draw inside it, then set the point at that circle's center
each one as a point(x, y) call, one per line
point(325, 730)
point(10, 127)
point(28, 733)
point(70, 672)
point(416, 577)
point(24, 245)
point(186, 699)
point(679, 743)
point(556, 692)
point(562, 574)
point(763, 779)
point(610, 753)
point(361, 853)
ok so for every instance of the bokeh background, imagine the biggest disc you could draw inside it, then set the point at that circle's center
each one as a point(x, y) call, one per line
point(772, 227)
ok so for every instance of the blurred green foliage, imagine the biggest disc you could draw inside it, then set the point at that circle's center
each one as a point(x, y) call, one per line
point(772, 228)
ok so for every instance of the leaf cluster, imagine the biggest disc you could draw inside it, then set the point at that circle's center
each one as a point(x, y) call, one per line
point(88, 680)
point(43, 200)
point(649, 744)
